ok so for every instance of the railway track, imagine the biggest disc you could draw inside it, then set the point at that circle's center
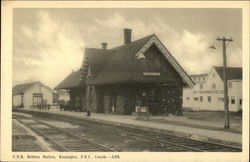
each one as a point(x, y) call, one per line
point(60, 139)
point(159, 141)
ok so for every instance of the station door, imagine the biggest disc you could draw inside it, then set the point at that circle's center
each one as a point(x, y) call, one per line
point(150, 97)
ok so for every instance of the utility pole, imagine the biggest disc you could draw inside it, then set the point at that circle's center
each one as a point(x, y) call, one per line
point(224, 40)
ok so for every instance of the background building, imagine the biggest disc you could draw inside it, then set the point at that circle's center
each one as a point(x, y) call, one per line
point(31, 94)
point(63, 95)
point(208, 93)
point(73, 85)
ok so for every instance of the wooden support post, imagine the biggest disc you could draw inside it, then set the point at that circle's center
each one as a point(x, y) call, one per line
point(224, 40)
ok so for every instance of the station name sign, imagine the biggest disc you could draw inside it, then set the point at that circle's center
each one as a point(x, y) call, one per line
point(209, 91)
point(151, 73)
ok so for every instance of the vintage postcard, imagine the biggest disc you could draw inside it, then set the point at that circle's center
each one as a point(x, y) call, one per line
point(125, 81)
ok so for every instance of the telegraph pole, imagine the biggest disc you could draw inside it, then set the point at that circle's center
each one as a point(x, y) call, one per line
point(224, 40)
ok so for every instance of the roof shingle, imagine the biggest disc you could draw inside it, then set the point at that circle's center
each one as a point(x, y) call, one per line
point(116, 65)
point(105, 63)
point(20, 88)
point(72, 80)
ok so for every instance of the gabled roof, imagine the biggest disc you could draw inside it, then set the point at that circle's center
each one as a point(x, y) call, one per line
point(199, 75)
point(156, 41)
point(232, 72)
point(21, 88)
point(72, 80)
point(122, 65)
point(104, 61)
point(114, 65)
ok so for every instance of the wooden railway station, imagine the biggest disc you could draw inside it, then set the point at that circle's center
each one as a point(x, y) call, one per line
point(140, 73)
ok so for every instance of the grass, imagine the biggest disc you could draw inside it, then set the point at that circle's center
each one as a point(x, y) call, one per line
point(212, 120)
point(214, 116)
point(235, 118)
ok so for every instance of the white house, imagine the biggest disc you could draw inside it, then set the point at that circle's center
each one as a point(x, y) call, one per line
point(208, 93)
point(31, 94)
point(63, 95)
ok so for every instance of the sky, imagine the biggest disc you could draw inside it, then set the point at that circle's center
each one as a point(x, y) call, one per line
point(48, 44)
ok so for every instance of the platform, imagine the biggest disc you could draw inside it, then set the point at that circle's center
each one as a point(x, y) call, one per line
point(204, 131)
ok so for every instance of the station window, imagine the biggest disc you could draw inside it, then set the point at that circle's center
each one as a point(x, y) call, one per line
point(221, 99)
point(213, 86)
point(113, 102)
point(232, 100)
point(230, 85)
point(199, 78)
point(21, 99)
point(153, 95)
point(201, 86)
point(77, 101)
point(196, 99)
point(209, 98)
point(187, 98)
point(240, 101)
point(201, 98)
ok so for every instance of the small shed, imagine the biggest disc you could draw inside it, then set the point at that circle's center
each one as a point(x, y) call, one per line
point(31, 94)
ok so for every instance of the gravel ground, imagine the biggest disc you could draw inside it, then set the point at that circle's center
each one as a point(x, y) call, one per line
point(213, 120)
point(60, 124)
point(235, 118)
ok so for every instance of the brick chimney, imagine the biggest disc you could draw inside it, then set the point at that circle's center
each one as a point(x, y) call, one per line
point(104, 45)
point(127, 36)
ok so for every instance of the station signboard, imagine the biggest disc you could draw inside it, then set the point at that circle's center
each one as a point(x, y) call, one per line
point(151, 73)
point(208, 91)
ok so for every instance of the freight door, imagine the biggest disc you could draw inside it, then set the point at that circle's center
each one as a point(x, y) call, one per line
point(37, 99)
point(150, 97)
point(153, 100)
